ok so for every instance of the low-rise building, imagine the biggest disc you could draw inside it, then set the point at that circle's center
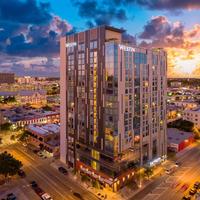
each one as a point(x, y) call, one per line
point(178, 140)
point(176, 84)
point(32, 97)
point(25, 80)
point(192, 115)
point(27, 96)
point(45, 137)
point(22, 116)
point(186, 104)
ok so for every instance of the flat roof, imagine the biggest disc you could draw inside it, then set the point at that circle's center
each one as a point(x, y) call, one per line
point(193, 110)
point(177, 136)
point(20, 113)
point(45, 129)
point(22, 93)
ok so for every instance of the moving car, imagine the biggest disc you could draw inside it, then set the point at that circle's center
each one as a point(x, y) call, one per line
point(21, 173)
point(186, 198)
point(192, 191)
point(177, 163)
point(46, 196)
point(78, 195)
point(62, 170)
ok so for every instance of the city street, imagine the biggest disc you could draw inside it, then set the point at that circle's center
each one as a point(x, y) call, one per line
point(176, 185)
point(59, 186)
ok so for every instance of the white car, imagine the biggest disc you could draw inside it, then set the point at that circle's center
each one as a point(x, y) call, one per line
point(46, 196)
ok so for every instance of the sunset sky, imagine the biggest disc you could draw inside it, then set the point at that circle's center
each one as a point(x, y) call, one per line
point(30, 30)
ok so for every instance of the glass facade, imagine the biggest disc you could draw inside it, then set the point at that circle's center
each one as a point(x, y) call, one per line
point(111, 99)
point(115, 95)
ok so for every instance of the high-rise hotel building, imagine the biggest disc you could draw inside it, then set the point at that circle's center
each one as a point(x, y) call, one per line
point(113, 105)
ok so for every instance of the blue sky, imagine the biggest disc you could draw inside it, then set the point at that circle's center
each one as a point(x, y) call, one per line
point(30, 30)
point(138, 16)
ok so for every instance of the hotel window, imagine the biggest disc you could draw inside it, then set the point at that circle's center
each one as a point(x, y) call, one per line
point(93, 44)
point(70, 49)
point(81, 47)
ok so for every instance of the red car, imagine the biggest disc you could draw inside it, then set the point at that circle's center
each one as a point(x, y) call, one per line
point(184, 187)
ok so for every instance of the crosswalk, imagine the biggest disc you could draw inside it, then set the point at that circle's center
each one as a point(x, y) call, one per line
point(171, 182)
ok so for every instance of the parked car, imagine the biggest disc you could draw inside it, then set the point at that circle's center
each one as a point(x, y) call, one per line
point(62, 170)
point(11, 196)
point(177, 163)
point(197, 185)
point(34, 184)
point(78, 195)
point(46, 196)
point(21, 173)
point(192, 191)
point(186, 198)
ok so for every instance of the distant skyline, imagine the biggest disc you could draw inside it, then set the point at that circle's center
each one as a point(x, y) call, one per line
point(30, 30)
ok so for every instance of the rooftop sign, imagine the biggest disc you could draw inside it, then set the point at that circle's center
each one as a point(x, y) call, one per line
point(125, 48)
point(71, 44)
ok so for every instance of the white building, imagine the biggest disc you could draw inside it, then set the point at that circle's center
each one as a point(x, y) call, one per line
point(32, 97)
point(46, 137)
point(25, 80)
point(192, 116)
point(186, 104)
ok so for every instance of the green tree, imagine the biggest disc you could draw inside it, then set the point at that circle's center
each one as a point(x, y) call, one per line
point(74, 171)
point(85, 178)
point(196, 132)
point(148, 172)
point(47, 108)
point(9, 166)
point(5, 127)
point(24, 135)
point(183, 125)
point(95, 184)
point(12, 137)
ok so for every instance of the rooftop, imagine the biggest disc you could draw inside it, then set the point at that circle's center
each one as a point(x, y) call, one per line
point(176, 136)
point(45, 129)
point(197, 110)
point(22, 113)
point(23, 93)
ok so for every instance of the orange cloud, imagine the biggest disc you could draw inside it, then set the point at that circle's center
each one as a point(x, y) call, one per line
point(183, 46)
point(184, 61)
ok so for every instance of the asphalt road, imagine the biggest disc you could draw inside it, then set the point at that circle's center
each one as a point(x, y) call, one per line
point(59, 186)
point(176, 185)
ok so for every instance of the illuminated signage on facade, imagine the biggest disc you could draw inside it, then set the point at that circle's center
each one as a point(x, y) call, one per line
point(72, 44)
point(125, 48)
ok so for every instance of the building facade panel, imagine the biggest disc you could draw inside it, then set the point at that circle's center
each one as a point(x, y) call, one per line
point(115, 107)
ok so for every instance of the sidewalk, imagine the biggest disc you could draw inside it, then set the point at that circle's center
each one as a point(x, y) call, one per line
point(125, 193)
point(103, 193)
